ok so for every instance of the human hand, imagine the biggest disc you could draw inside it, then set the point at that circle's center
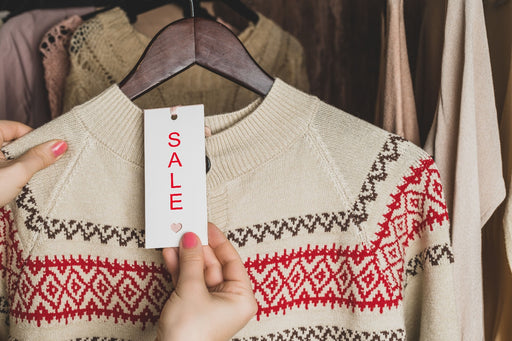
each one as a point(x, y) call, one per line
point(14, 174)
point(213, 298)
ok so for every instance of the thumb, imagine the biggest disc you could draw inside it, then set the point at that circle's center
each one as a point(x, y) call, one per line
point(191, 264)
point(40, 157)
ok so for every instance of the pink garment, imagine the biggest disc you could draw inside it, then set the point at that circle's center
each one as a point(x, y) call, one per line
point(23, 95)
point(396, 109)
point(55, 57)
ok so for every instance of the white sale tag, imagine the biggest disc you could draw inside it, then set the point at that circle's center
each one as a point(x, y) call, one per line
point(175, 175)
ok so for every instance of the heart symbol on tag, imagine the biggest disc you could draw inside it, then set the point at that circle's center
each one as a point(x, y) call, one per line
point(176, 227)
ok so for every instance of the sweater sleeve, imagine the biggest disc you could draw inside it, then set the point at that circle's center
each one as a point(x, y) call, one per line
point(10, 266)
point(428, 292)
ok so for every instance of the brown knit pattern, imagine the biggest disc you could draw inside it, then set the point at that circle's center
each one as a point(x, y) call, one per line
point(75, 229)
point(433, 256)
point(328, 333)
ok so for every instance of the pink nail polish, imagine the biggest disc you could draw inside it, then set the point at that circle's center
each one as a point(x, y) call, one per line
point(59, 148)
point(189, 240)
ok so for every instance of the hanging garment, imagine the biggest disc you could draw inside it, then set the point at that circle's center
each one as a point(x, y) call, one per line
point(55, 58)
point(23, 95)
point(464, 141)
point(104, 49)
point(396, 111)
point(342, 226)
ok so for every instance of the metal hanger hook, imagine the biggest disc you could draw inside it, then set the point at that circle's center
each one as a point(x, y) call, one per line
point(192, 9)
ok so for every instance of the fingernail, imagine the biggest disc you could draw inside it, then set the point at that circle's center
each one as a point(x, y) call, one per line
point(189, 240)
point(59, 148)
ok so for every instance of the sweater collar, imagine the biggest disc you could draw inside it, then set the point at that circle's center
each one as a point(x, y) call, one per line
point(240, 140)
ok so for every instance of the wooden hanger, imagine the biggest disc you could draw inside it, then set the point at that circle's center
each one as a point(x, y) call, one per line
point(195, 41)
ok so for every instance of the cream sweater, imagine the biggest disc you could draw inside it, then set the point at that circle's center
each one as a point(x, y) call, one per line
point(342, 227)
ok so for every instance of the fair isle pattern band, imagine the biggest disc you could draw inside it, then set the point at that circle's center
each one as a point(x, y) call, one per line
point(328, 333)
point(367, 276)
point(68, 288)
point(75, 229)
point(364, 277)
point(93, 338)
point(11, 260)
point(97, 338)
point(280, 229)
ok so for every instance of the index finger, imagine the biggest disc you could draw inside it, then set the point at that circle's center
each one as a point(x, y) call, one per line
point(232, 267)
point(11, 130)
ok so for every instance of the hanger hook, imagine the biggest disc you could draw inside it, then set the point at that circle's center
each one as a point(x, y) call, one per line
point(192, 9)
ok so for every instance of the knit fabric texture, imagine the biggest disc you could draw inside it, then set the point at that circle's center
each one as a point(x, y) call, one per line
point(105, 48)
point(342, 227)
point(55, 58)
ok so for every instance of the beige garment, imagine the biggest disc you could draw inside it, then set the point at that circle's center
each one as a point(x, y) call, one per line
point(341, 226)
point(395, 110)
point(104, 49)
point(464, 140)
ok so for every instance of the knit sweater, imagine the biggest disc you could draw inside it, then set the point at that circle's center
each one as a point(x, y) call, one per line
point(55, 58)
point(342, 227)
point(105, 48)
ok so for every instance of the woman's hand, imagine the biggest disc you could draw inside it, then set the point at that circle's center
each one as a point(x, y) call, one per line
point(14, 174)
point(213, 298)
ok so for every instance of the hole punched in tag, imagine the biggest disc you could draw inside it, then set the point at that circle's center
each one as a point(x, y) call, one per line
point(208, 164)
point(174, 113)
point(207, 133)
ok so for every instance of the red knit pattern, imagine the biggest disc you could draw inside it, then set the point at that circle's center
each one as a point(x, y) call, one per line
point(5, 221)
point(67, 288)
point(367, 276)
point(11, 260)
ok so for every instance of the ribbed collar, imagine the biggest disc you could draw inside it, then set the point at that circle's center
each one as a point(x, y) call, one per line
point(241, 140)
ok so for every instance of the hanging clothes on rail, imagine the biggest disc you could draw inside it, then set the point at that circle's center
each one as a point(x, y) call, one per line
point(396, 110)
point(22, 88)
point(105, 48)
point(464, 141)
